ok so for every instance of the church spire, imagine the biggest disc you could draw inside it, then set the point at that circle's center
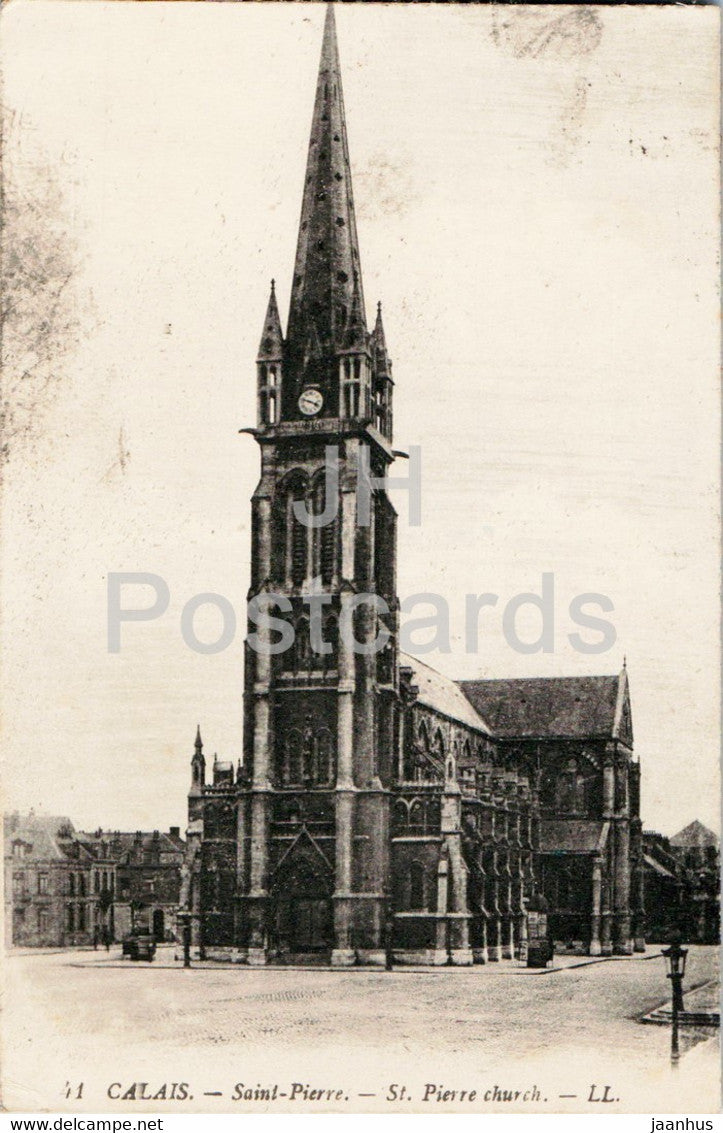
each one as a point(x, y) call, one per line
point(327, 286)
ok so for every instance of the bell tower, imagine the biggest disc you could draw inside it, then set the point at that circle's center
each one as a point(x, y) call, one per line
point(321, 698)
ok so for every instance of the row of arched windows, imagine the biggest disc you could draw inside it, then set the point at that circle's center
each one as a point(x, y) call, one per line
point(269, 393)
point(416, 816)
point(307, 758)
point(354, 374)
point(462, 751)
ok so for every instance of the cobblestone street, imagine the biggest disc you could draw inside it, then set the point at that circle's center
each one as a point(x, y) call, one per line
point(562, 1031)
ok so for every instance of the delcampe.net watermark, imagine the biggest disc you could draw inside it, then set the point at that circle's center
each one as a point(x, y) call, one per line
point(274, 619)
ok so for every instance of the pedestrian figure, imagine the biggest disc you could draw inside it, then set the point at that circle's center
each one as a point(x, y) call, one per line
point(96, 937)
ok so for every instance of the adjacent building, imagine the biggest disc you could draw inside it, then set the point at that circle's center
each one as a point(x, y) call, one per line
point(379, 802)
point(144, 873)
point(682, 884)
point(66, 888)
point(47, 883)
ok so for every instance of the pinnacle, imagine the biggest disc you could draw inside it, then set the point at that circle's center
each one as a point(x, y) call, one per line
point(272, 338)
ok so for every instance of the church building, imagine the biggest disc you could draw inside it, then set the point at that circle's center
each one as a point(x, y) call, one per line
point(380, 805)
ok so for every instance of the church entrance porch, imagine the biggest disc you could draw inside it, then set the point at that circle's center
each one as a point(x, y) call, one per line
point(301, 912)
point(304, 924)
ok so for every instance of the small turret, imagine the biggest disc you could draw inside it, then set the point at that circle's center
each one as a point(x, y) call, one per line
point(382, 388)
point(269, 364)
point(198, 763)
point(382, 361)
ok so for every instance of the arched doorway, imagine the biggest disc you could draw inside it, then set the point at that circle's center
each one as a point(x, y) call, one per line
point(302, 918)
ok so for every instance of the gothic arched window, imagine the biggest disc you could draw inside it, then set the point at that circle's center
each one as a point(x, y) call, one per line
point(385, 668)
point(433, 815)
point(400, 815)
point(331, 637)
point(268, 393)
point(292, 762)
point(290, 536)
point(308, 757)
point(324, 756)
point(417, 895)
point(323, 539)
point(416, 817)
point(566, 799)
point(297, 557)
point(302, 643)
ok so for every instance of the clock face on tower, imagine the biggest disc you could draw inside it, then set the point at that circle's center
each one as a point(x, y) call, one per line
point(310, 402)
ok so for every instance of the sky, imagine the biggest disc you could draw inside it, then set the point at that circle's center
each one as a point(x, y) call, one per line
point(536, 196)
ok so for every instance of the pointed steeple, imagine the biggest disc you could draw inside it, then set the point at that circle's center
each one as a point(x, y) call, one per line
point(382, 361)
point(198, 764)
point(355, 337)
point(272, 340)
point(327, 282)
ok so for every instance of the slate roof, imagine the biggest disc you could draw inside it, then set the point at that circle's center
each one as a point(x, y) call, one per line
point(40, 832)
point(695, 834)
point(120, 845)
point(443, 694)
point(546, 706)
point(657, 866)
point(572, 835)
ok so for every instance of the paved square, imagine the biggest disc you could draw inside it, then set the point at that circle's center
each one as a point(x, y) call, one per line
point(224, 1034)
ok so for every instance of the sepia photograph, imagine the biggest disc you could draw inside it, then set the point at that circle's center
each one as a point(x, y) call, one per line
point(360, 554)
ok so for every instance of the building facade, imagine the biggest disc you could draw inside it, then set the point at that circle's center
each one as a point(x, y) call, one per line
point(142, 872)
point(66, 888)
point(48, 883)
point(682, 884)
point(379, 803)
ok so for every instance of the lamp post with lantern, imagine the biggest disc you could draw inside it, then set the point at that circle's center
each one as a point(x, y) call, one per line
point(675, 958)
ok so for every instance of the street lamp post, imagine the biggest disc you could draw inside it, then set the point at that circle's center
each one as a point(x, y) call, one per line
point(388, 935)
point(675, 957)
point(185, 919)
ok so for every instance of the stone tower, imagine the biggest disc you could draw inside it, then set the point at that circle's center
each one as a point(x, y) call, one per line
point(321, 706)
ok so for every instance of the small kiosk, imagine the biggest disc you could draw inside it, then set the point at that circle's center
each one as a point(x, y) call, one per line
point(539, 946)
